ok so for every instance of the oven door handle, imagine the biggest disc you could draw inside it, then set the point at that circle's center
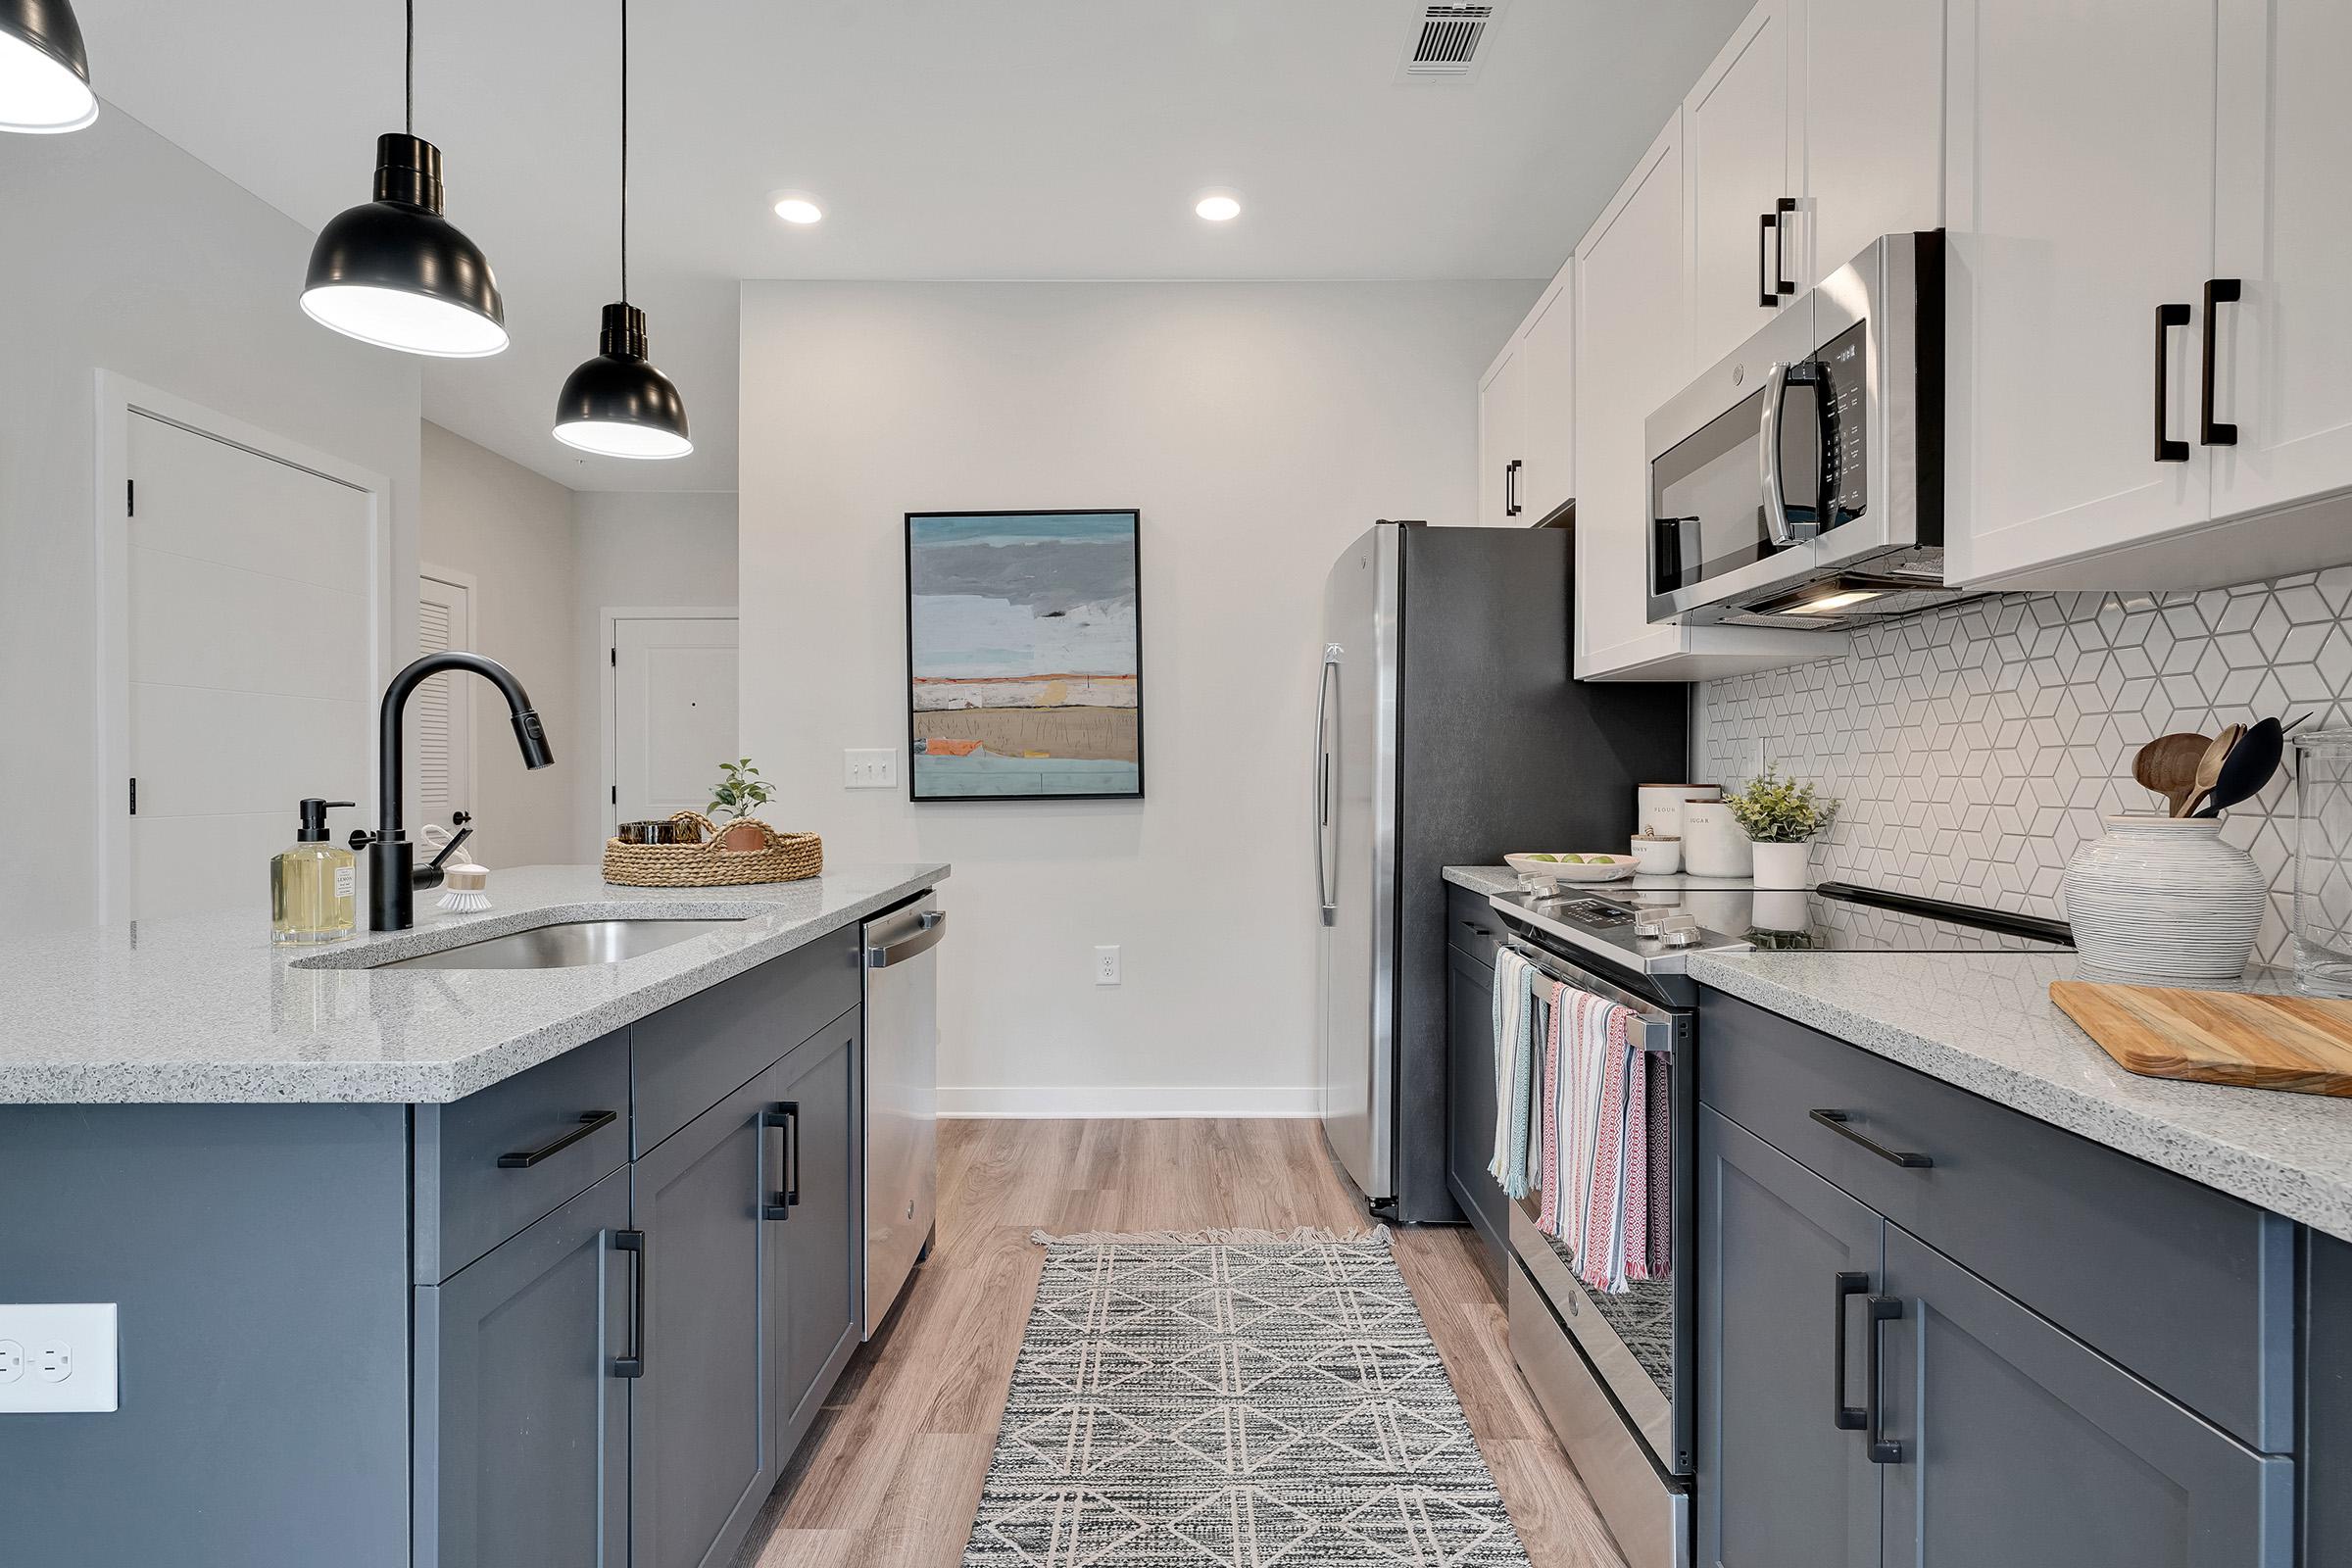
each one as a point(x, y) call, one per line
point(1768, 457)
point(1650, 1029)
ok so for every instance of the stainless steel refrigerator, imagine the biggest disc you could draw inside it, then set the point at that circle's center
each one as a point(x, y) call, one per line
point(1447, 732)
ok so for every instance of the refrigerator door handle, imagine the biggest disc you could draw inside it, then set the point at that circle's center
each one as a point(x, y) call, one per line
point(1330, 912)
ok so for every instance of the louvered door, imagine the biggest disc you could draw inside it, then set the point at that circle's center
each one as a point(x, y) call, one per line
point(441, 713)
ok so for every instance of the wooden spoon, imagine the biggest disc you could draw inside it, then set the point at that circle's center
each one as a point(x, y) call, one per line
point(2209, 767)
point(2168, 765)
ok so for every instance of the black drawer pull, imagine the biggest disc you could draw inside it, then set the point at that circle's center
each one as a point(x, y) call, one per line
point(2219, 291)
point(1480, 929)
point(1837, 1123)
point(1848, 1417)
point(1883, 1449)
point(633, 1365)
point(525, 1158)
point(786, 1115)
point(2167, 450)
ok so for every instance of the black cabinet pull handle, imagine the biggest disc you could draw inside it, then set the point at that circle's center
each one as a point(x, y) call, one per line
point(525, 1158)
point(633, 1365)
point(2213, 432)
point(786, 1115)
point(1768, 244)
point(1848, 1417)
point(1884, 1449)
point(1837, 1121)
point(1480, 929)
point(1780, 249)
point(2167, 450)
point(1510, 488)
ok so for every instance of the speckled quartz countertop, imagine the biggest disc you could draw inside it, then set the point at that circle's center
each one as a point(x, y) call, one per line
point(1985, 1022)
point(204, 1008)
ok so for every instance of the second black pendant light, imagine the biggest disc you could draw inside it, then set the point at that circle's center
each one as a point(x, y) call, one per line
point(617, 403)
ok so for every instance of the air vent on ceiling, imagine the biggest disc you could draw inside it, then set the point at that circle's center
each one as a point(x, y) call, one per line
point(1445, 42)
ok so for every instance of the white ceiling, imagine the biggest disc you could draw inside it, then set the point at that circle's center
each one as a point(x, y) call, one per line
point(946, 139)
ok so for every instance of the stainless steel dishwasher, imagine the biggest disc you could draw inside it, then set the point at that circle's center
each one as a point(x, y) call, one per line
point(901, 1095)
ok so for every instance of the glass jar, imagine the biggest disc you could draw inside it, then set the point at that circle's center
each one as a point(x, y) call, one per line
point(2324, 862)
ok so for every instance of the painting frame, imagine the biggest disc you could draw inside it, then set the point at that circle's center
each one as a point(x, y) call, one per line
point(1135, 534)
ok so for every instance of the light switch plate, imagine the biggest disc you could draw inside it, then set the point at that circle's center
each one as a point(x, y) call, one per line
point(58, 1356)
point(869, 767)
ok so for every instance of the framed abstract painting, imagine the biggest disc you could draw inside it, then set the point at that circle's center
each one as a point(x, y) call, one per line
point(1024, 656)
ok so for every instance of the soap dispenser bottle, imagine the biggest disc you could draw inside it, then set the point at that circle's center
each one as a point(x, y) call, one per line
point(313, 886)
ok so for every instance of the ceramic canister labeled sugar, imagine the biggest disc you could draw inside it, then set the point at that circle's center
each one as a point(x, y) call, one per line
point(1713, 841)
point(1658, 808)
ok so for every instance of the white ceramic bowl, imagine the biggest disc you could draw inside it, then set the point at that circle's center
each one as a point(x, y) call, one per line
point(1617, 869)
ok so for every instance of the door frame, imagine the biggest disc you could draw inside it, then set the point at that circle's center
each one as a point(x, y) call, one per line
point(120, 399)
point(608, 619)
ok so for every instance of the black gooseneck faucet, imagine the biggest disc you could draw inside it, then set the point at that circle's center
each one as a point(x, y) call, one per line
point(393, 875)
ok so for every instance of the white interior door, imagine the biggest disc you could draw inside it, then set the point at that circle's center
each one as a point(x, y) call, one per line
point(440, 741)
point(673, 714)
point(250, 625)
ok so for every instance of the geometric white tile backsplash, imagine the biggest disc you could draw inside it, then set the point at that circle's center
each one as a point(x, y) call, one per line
point(1975, 748)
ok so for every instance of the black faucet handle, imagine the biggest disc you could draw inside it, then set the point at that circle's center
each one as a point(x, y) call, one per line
point(361, 838)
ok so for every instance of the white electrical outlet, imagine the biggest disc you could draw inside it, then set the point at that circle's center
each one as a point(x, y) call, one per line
point(58, 1356)
point(1107, 966)
point(869, 767)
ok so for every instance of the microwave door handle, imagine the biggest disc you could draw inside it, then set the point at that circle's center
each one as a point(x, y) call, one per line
point(1768, 457)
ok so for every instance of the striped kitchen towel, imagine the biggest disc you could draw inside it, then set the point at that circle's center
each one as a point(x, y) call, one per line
point(1515, 1066)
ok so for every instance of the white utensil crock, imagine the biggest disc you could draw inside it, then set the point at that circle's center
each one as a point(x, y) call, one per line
point(2164, 900)
point(1780, 865)
point(1713, 844)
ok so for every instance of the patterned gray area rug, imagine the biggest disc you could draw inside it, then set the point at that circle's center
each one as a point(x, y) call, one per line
point(1237, 1397)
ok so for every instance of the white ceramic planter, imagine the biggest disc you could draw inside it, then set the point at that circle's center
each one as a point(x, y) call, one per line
point(2162, 900)
point(1780, 865)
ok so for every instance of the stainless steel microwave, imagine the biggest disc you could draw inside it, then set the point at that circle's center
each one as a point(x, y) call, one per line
point(1800, 482)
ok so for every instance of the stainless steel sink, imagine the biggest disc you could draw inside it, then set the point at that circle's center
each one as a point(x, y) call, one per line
point(564, 946)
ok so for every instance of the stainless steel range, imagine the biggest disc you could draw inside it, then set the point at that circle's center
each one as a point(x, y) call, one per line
point(1613, 1372)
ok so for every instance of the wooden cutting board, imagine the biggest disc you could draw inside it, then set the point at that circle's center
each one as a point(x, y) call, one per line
point(2299, 1044)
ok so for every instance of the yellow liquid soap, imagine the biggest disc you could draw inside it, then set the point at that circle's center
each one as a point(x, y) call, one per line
point(313, 890)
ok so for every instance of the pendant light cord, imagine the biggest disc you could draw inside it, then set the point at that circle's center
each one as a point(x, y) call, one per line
point(624, 150)
point(409, 77)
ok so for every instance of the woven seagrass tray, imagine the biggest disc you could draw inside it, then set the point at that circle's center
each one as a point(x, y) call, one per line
point(787, 858)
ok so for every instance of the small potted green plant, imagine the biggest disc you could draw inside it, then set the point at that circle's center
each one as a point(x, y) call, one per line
point(1779, 815)
point(739, 792)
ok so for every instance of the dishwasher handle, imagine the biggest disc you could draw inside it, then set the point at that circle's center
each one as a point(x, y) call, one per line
point(934, 927)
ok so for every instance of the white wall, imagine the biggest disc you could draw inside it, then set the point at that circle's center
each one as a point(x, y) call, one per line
point(1258, 428)
point(509, 530)
point(636, 551)
point(122, 253)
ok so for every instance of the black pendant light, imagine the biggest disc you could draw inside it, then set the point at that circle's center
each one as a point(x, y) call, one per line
point(44, 71)
point(617, 404)
point(394, 272)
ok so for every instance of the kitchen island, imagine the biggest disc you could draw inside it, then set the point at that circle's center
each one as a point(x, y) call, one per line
point(434, 1265)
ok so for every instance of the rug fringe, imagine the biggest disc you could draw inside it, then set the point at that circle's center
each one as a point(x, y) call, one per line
point(1303, 1234)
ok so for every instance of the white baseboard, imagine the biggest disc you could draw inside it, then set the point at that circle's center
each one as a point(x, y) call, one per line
point(1130, 1104)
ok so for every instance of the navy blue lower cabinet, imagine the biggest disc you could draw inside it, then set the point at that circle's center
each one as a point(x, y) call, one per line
point(2015, 1443)
point(522, 1408)
point(1787, 1266)
point(815, 1249)
point(701, 1451)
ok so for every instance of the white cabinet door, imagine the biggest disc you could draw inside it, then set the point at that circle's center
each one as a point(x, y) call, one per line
point(1742, 165)
point(1873, 110)
point(1633, 341)
point(1501, 421)
point(2285, 349)
point(2080, 163)
point(1547, 389)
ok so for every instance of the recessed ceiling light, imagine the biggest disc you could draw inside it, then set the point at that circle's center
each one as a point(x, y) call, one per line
point(1218, 207)
point(798, 210)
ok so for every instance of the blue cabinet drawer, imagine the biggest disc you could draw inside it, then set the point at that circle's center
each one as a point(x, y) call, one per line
point(1471, 924)
point(2189, 1288)
point(494, 1162)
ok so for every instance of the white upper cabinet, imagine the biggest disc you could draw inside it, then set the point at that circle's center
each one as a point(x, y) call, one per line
point(2283, 362)
point(1633, 345)
point(1742, 143)
point(1547, 352)
point(1872, 101)
point(1502, 424)
point(2080, 169)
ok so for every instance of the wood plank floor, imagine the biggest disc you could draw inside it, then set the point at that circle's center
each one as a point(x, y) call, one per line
point(891, 1474)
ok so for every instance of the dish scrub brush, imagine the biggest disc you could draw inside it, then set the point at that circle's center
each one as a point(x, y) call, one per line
point(462, 889)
